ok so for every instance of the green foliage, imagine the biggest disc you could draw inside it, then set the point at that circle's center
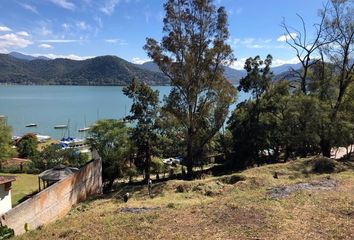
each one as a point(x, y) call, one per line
point(232, 179)
point(323, 165)
point(157, 166)
point(6, 232)
point(104, 70)
point(191, 55)
point(6, 150)
point(53, 155)
point(27, 145)
point(144, 112)
point(110, 138)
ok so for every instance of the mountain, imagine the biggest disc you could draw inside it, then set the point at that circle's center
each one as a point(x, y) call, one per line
point(285, 68)
point(18, 68)
point(104, 70)
point(231, 74)
point(26, 57)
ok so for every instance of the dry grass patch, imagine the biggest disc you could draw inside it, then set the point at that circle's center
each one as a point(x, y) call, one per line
point(214, 209)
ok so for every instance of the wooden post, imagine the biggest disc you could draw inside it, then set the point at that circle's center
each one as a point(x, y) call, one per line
point(39, 184)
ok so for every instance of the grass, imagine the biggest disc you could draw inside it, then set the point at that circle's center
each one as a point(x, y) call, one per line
point(25, 184)
point(213, 208)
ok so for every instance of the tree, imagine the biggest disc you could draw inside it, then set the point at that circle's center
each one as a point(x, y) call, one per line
point(247, 128)
point(144, 113)
point(192, 54)
point(306, 47)
point(6, 150)
point(111, 139)
point(27, 145)
point(53, 155)
point(340, 29)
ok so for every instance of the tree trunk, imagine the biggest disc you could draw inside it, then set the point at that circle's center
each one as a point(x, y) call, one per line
point(190, 160)
point(326, 148)
point(147, 162)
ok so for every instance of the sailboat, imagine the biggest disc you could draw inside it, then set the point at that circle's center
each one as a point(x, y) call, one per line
point(84, 129)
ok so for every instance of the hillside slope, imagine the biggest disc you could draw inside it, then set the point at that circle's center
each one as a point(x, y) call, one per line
point(313, 206)
point(104, 70)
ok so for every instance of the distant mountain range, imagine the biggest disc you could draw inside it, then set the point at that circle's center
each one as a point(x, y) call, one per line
point(105, 70)
point(18, 68)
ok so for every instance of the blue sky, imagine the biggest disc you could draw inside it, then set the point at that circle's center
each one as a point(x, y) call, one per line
point(79, 29)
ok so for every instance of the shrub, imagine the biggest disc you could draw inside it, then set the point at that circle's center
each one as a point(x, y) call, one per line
point(232, 179)
point(6, 232)
point(323, 165)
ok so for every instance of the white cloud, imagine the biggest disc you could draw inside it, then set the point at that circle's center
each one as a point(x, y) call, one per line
point(66, 26)
point(109, 6)
point(83, 25)
point(23, 33)
point(137, 60)
point(239, 64)
point(45, 46)
point(29, 7)
point(278, 62)
point(5, 29)
point(286, 37)
point(12, 40)
point(69, 56)
point(59, 40)
point(250, 43)
point(64, 4)
point(116, 41)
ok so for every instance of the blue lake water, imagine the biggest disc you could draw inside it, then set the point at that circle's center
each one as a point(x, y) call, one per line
point(48, 106)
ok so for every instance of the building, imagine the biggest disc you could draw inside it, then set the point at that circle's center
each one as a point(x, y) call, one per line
point(5, 193)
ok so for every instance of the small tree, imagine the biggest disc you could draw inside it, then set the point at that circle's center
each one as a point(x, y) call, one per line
point(27, 145)
point(6, 150)
point(53, 155)
point(110, 138)
point(144, 112)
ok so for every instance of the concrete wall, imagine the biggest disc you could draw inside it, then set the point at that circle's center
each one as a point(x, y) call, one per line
point(55, 201)
point(5, 199)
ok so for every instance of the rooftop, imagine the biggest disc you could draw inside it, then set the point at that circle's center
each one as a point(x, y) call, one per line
point(6, 179)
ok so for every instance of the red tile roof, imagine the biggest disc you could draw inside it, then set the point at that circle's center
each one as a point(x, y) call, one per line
point(6, 179)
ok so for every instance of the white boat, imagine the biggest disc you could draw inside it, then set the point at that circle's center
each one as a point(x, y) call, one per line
point(84, 129)
point(42, 138)
point(60, 126)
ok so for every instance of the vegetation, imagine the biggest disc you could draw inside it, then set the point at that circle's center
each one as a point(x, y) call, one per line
point(192, 55)
point(105, 70)
point(53, 155)
point(6, 150)
point(6, 232)
point(295, 119)
point(110, 139)
point(24, 185)
point(144, 112)
point(27, 145)
point(215, 208)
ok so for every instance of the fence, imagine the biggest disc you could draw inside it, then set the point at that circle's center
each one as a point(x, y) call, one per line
point(56, 201)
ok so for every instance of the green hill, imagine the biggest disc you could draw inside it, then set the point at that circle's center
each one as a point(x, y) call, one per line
point(104, 70)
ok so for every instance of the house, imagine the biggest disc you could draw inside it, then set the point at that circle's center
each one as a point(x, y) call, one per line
point(5, 193)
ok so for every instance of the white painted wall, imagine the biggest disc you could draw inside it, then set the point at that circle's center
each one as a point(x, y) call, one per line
point(5, 199)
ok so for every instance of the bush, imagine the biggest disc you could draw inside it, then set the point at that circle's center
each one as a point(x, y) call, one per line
point(323, 165)
point(232, 179)
point(6, 232)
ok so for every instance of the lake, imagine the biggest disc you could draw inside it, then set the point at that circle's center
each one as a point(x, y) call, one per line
point(48, 106)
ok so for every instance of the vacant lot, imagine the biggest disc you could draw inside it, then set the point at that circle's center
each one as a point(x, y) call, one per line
point(313, 206)
point(25, 184)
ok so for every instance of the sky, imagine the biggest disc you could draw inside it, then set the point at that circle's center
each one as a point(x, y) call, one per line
point(80, 29)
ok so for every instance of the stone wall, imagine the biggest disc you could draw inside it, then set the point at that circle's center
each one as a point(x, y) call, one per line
point(56, 201)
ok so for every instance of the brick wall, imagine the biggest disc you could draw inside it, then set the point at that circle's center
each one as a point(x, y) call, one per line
point(56, 201)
